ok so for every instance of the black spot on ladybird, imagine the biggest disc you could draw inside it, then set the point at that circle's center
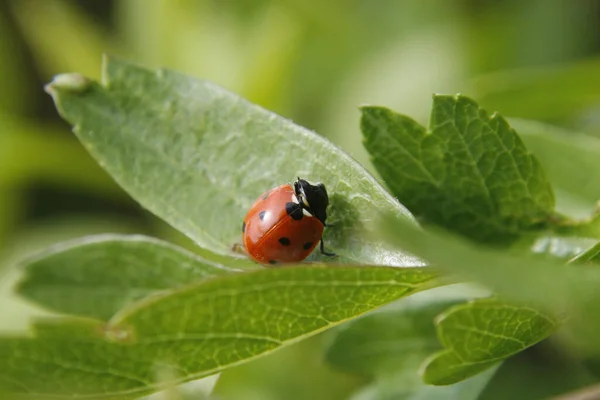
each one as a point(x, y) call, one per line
point(284, 241)
point(307, 245)
point(261, 215)
point(294, 210)
point(244, 227)
point(272, 262)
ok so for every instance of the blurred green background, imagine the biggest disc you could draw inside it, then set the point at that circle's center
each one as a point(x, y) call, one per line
point(312, 61)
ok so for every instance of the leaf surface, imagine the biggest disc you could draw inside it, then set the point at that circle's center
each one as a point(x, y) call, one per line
point(196, 330)
point(481, 333)
point(390, 341)
point(468, 172)
point(198, 156)
point(99, 275)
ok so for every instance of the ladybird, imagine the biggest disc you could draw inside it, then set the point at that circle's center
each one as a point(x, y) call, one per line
point(286, 223)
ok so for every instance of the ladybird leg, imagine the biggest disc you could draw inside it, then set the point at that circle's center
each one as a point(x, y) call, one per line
point(326, 252)
point(239, 248)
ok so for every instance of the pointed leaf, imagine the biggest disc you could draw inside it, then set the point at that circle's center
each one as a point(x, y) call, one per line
point(479, 334)
point(197, 330)
point(469, 172)
point(198, 156)
point(99, 275)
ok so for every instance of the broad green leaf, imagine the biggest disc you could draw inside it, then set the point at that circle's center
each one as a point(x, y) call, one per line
point(198, 156)
point(570, 159)
point(468, 172)
point(97, 276)
point(479, 334)
point(197, 330)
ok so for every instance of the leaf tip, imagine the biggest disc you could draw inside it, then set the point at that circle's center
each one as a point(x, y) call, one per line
point(366, 108)
point(425, 371)
point(70, 82)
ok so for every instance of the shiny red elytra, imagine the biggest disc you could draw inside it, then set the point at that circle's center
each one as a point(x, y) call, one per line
point(286, 223)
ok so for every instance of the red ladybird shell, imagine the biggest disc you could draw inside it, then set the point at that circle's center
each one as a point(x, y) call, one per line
point(278, 230)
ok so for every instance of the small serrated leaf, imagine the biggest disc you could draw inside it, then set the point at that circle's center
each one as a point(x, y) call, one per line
point(97, 276)
point(481, 333)
point(469, 172)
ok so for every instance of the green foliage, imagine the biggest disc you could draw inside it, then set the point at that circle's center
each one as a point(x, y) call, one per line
point(389, 346)
point(544, 283)
point(139, 309)
point(388, 342)
point(312, 62)
point(481, 333)
point(196, 330)
point(469, 172)
point(98, 276)
point(164, 136)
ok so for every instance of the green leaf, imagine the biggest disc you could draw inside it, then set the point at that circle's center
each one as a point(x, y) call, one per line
point(469, 172)
point(391, 341)
point(99, 275)
point(198, 156)
point(197, 330)
point(390, 345)
point(479, 334)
